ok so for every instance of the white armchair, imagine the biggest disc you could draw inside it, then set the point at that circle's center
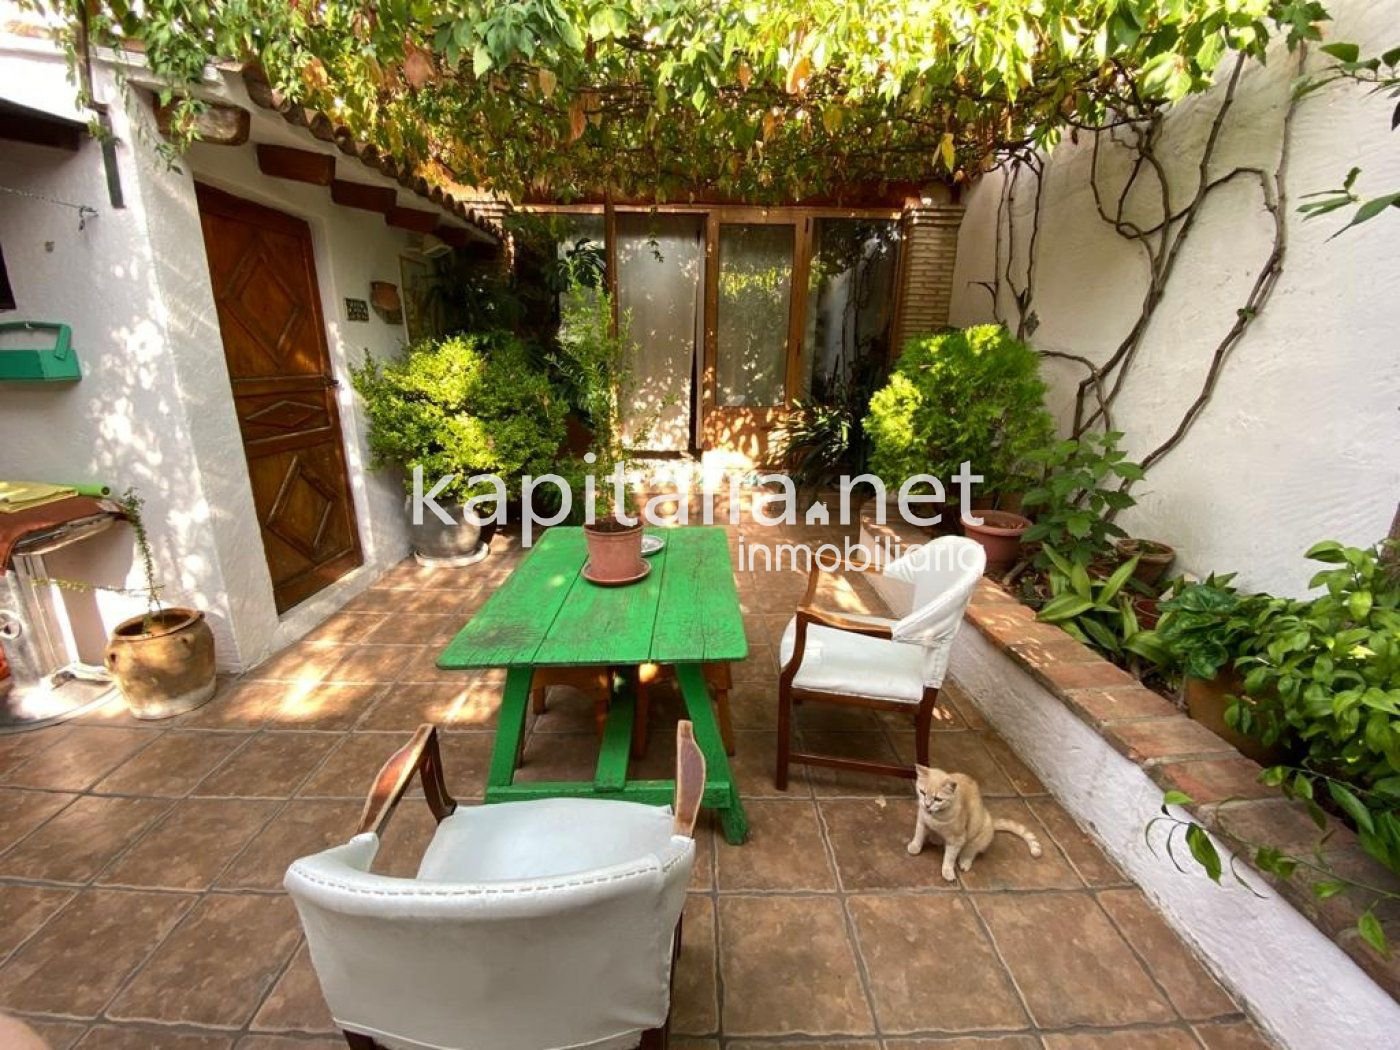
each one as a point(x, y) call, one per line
point(529, 926)
point(873, 661)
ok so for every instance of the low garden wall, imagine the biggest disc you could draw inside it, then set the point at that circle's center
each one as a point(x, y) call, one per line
point(1109, 749)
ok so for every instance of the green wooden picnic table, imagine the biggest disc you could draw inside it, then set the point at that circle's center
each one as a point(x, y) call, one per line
point(685, 614)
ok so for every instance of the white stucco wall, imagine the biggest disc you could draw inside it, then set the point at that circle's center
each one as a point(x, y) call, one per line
point(154, 409)
point(1301, 441)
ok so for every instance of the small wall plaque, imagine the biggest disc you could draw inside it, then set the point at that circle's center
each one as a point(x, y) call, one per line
point(356, 310)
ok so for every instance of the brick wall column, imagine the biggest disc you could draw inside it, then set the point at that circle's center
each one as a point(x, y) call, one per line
point(929, 250)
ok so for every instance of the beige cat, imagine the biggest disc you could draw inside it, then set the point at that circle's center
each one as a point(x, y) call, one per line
point(950, 806)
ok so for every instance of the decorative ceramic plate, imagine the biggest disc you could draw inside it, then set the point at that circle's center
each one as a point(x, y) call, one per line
point(651, 544)
point(588, 575)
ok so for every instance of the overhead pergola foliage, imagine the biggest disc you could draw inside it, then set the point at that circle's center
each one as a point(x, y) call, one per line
point(678, 99)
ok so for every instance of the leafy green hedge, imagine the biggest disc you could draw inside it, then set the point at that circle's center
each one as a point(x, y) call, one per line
point(972, 395)
point(462, 405)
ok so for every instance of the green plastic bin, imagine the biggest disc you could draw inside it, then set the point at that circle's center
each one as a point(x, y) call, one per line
point(21, 361)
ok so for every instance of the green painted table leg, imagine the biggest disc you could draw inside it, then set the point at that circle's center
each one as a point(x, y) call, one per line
point(697, 702)
point(616, 748)
point(510, 730)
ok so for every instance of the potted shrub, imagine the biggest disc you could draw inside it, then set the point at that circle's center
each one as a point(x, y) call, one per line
point(1154, 558)
point(595, 361)
point(462, 405)
point(163, 660)
point(1205, 627)
point(972, 395)
point(1084, 482)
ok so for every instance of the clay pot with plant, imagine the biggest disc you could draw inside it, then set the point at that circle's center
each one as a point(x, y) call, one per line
point(1154, 558)
point(594, 358)
point(163, 660)
point(999, 532)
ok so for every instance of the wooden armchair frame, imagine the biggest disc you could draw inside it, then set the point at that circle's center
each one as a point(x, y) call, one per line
point(422, 755)
point(788, 695)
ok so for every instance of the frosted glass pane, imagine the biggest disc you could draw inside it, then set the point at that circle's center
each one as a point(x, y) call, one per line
point(659, 258)
point(755, 291)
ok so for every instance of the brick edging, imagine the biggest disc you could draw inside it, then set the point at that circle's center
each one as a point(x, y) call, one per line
point(1179, 754)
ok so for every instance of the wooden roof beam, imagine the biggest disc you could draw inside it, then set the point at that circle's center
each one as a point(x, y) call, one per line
point(414, 219)
point(381, 199)
point(299, 165)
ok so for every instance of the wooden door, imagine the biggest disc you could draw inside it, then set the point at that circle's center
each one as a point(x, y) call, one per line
point(264, 279)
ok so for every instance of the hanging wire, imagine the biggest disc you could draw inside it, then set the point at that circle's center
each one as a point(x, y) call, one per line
point(85, 212)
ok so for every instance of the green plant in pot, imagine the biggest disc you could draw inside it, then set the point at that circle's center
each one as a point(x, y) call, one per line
point(594, 356)
point(1084, 482)
point(163, 660)
point(1100, 613)
point(464, 405)
point(973, 396)
point(1205, 626)
point(1154, 558)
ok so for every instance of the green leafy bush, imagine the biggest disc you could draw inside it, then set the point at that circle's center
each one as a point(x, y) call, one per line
point(1324, 678)
point(1206, 624)
point(1082, 482)
point(463, 405)
point(972, 395)
point(1099, 613)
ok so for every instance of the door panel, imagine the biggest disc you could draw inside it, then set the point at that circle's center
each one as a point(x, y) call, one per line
point(263, 274)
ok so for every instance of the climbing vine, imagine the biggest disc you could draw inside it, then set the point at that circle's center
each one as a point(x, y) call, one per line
point(560, 99)
point(1160, 240)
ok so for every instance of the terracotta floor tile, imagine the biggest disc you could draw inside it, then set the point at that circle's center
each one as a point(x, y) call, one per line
point(23, 909)
point(76, 963)
point(469, 704)
point(993, 1042)
point(288, 1042)
point(702, 876)
point(350, 769)
point(466, 759)
point(172, 765)
point(271, 765)
point(1237, 1035)
point(1196, 995)
point(1022, 777)
point(23, 811)
point(345, 627)
point(917, 989)
point(304, 662)
point(422, 667)
point(239, 705)
point(415, 629)
point(958, 751)
point(753, 765)
point(60, 1035)
point(303, 827)
point(133, 1037)
point(371, 663)
point(803, 1044)
point(683, 1043)
point(559, 756)
point(1084, 854)
point(214, 968)
point(321, 705)
point(191, 844)
point(1126, 1039)
point(866, 746)
point(695, 991)
point(83, 756)
point(953, 695)
point(1070, 964)
point(784, 851)
point(571, 710)
point(776, 983)
point(814, 717)
point(18, 748)
point(75, 845)
point(295, 1003)
point(753, 706)
point(1007, 863)
point(869, 837)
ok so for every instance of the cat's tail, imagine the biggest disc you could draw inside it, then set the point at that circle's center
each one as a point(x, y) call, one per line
point(1022, 832)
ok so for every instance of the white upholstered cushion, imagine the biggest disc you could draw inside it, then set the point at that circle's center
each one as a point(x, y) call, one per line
point(856, 665)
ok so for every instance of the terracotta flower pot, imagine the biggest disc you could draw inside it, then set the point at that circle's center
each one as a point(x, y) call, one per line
point(164, 663)
point(614, 552)
point(1000, 536)
point(1154, 558)
point(1206, 701)
point(466, 541)
point(1148, 611)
